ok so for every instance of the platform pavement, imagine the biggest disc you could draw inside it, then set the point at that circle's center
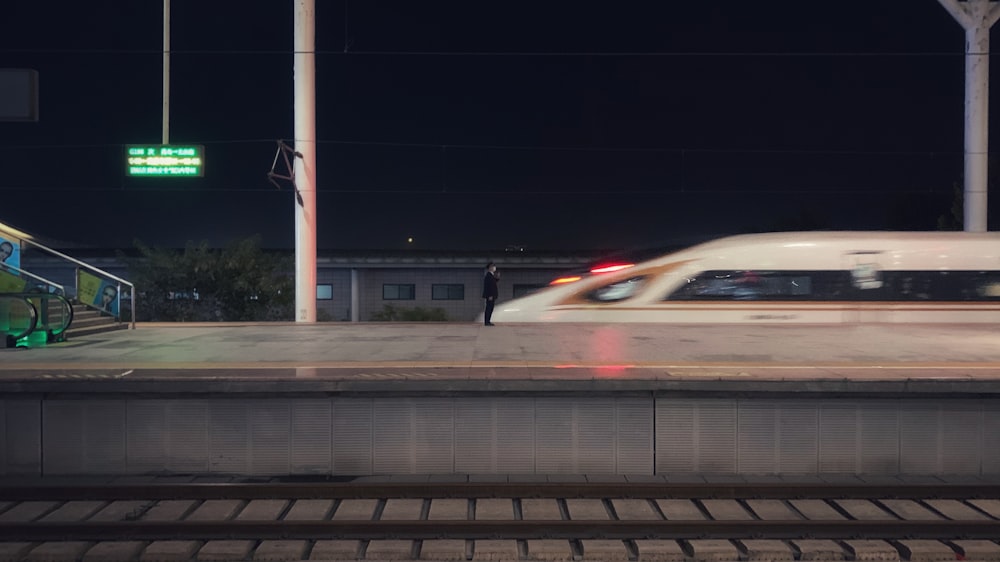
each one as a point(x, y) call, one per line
point(456, 357)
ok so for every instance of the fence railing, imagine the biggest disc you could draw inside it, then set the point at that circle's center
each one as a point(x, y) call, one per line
point(40, 282)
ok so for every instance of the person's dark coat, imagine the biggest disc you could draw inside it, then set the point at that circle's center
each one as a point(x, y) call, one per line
point(490, 288)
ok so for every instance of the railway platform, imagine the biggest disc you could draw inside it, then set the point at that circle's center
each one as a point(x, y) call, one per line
point(529, 399)
point(418, 357)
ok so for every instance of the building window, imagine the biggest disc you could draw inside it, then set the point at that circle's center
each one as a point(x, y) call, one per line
point(398, 292)
point(324, 292)
point(454, 292)
point(523, 290)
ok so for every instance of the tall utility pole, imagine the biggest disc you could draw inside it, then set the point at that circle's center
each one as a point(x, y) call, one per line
point(305, 161)
point(166, 72)
point(976, 17)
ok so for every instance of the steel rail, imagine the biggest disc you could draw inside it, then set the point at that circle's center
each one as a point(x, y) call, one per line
point(340, 490)
point(450, 529)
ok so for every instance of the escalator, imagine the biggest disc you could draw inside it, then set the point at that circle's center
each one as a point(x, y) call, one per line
point(33, 319)
point(36, 308)
point(96, 307)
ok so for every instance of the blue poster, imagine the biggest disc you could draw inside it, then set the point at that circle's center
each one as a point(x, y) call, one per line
point(10, 252)
point(107, 298)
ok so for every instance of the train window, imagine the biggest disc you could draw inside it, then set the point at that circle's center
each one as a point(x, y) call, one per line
point(867, 276)
point(847, 285)
point(618, 291)
point(942, 285)
point(764, 285)
point(988, 286)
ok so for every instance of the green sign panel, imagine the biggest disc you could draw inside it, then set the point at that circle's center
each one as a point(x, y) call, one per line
point(163, 160)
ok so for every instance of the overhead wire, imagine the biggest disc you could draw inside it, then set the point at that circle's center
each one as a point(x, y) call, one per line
point(452, 192)
point(402, 53)
point(526, 147)
point(499, 147)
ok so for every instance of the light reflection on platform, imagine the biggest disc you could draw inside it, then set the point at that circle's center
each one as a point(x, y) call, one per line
point(461, 357)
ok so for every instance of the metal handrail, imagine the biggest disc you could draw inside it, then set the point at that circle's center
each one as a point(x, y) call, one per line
point(24, 273)
point(66, 316)
point(32, 313)
point(95, 270)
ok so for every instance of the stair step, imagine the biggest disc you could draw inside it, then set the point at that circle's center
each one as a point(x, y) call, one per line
point(77, 332)
point(87, 322)
point(78, 309)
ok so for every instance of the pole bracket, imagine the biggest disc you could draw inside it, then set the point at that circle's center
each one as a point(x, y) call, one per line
point(286, 153)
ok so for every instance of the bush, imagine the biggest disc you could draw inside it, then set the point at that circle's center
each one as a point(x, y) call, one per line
point(390, 313)
point(238, 283)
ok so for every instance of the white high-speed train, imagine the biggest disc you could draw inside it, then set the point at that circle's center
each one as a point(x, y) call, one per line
point(787, 277)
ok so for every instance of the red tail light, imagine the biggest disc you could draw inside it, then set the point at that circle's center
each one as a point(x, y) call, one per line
point(607, 268)
point(611, 267)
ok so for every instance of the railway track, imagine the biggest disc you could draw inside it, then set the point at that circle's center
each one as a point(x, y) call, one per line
point(503, 521)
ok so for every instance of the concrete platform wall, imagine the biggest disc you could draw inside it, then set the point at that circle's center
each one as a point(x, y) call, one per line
point(20, 428)
point(501, 434)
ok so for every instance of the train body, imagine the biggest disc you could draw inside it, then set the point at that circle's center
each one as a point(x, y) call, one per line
point(787, 277)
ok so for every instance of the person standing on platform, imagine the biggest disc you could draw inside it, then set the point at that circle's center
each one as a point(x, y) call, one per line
point(490, 290)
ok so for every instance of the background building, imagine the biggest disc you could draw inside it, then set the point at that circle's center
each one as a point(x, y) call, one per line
point(360, 285)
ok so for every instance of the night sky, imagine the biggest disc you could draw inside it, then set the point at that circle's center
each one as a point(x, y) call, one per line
point(474, 125)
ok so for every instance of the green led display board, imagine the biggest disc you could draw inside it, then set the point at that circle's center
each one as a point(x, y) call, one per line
point(164, 160)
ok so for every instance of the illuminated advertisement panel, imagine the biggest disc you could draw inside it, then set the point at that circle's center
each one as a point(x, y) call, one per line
point(10, 251)
point(101, 293)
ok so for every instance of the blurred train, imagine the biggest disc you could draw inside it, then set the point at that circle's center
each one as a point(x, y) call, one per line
point(787, 277)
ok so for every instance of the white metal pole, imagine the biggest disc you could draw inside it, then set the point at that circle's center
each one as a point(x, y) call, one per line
point(977, 87)
point(305, 164)
point(976, 17)
point(166, 72)
point(355, 296)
